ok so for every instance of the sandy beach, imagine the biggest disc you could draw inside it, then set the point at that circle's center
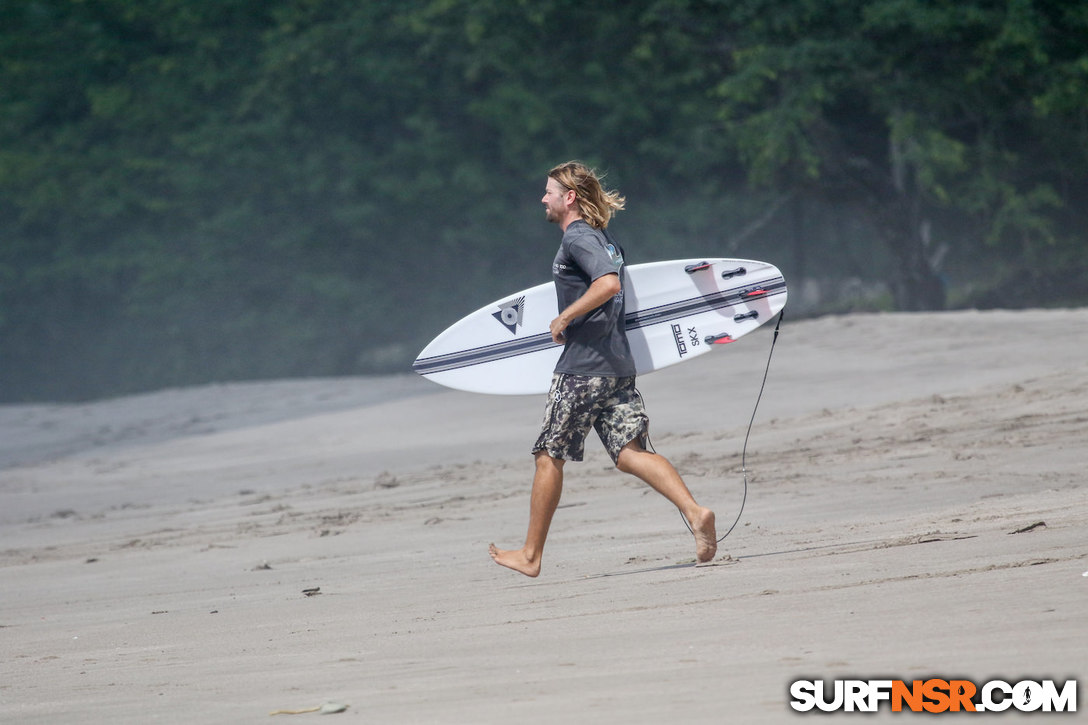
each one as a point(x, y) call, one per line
point(917, 507)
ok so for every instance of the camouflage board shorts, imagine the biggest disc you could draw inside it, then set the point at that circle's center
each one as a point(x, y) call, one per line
point(577, 403)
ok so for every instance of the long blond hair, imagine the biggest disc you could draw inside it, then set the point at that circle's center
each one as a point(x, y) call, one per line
point(597, 204)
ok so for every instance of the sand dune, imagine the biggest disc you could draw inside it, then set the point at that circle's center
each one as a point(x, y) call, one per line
point(155, 550)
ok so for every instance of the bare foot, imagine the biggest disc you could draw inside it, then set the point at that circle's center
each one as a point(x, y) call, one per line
point(518, 561)
point(706, 536)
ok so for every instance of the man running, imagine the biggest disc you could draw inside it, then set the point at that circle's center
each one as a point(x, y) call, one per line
point(594, 381)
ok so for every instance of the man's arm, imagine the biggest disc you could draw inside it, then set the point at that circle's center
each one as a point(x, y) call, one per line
point(603, 289)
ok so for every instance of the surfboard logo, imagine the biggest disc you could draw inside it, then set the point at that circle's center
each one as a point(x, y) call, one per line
point(511, 313)
point(678, 336)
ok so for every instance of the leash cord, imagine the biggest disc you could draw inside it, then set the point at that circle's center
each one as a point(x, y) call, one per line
point(744, 450)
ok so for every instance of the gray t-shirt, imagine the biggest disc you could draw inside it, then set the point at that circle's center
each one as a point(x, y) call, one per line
point(596, 343)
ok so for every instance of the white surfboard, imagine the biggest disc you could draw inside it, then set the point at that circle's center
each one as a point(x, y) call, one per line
point(675, 311)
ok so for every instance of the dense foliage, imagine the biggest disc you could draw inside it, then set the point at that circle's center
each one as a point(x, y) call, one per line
point(253, 188)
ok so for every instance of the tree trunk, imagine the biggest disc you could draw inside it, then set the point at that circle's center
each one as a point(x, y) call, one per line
point(915, 284)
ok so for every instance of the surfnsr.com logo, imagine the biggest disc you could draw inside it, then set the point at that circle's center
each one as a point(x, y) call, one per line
point(933, 696)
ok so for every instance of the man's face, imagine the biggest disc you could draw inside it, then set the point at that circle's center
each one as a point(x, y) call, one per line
point(555, 201)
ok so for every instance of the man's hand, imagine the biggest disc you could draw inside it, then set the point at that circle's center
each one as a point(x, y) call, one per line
point(559, 324)
point(603, 289)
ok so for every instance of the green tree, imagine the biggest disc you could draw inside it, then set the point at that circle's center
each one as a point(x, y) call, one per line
point(253, 188)
point(919, 112)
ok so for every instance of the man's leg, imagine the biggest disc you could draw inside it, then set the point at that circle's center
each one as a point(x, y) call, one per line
point(656, 470)
point(547, 488)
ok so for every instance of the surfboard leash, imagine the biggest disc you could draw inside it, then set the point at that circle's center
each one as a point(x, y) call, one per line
point(748, 433)
point(751, 421)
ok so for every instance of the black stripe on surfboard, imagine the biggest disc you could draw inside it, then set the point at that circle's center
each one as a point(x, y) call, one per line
point(485, 354)
point(715, 301)
point(633, 321)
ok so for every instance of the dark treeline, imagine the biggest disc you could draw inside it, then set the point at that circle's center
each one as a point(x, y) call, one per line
point(192, 192)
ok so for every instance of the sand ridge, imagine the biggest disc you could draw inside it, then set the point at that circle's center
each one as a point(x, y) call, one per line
point(159, 575)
